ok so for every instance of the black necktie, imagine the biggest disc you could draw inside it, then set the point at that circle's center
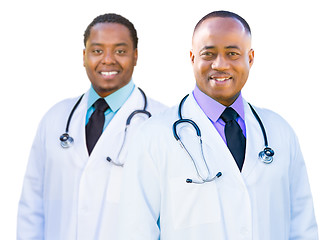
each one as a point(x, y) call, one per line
point(94, 128)
point(236, 141)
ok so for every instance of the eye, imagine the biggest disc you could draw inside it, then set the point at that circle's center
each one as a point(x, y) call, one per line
point(120, 51)
point(97, 51)
point(207, 55)
point(233, 55)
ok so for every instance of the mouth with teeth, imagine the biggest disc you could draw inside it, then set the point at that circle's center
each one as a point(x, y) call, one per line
point(109, 75)
point(220, 79)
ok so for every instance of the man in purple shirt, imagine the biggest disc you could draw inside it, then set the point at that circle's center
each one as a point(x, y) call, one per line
point(194, 172)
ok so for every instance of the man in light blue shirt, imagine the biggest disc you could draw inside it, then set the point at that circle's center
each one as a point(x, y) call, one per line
point(72, 191)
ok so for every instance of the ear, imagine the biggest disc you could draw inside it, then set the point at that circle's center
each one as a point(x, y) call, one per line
point(192, 56)
point(135, 56)
point(251, 56)
point(84, 55)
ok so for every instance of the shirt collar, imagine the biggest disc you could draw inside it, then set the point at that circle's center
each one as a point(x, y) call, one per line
point(214, 109)
point(114, 100)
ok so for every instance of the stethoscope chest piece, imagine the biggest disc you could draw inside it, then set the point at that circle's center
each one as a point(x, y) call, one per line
point(66, 140)
point(266, 156)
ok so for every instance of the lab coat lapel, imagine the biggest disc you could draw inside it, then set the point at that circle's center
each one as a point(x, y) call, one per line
point(255, 141)
point(77, 129)
point(111, 140)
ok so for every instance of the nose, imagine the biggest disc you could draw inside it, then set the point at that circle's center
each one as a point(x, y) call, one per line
point(108, 58)
point(220, 63)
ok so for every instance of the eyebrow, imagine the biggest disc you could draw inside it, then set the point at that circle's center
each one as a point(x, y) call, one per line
point(117, 44)
point(121, 44)
point(207, 47)
point(227, 47)
point(232, 46)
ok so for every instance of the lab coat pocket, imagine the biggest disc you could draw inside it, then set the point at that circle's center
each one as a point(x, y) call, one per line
point(114, 185)
point(194, 204)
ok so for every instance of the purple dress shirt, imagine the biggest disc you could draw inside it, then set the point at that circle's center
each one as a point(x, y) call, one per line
point(214, 110)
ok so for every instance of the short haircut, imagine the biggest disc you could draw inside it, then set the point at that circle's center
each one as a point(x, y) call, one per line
point(112, 18)
point(224, 14)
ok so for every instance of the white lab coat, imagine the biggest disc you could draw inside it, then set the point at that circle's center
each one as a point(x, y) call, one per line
point(68, 195)
point(263, 202)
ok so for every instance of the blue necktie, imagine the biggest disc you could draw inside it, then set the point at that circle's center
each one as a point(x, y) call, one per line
point(94, 128)
point(236, 141)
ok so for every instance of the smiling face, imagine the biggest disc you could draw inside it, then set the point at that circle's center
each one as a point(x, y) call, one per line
point(109, 57)
point(221, 57)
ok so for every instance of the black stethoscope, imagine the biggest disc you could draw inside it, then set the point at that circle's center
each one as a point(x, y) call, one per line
point(266, 156)
point(67, 141)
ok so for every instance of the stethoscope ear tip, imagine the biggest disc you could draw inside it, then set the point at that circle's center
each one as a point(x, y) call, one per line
point(189, 180)
point(219, 174)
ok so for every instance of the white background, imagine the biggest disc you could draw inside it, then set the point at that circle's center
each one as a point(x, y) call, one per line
point(41, 63)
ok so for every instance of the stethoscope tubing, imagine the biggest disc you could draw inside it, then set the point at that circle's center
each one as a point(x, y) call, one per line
point(260, 124)
point(266, 155)
point(66, 140)
point(71, 113)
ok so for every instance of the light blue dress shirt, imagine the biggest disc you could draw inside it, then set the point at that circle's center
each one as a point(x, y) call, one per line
point(114, 100)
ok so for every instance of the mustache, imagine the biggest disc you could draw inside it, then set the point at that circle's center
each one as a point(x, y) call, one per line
point(220, 74)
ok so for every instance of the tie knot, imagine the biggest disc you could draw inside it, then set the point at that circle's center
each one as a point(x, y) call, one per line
point(229, 114)
point(101, 105)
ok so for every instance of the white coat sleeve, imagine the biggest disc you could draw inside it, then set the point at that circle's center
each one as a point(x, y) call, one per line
point(303, 224)
point(30, 222)
point(140, 202)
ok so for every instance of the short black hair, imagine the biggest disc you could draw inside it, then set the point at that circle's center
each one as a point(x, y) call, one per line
point(224, 14)
point(112, 18)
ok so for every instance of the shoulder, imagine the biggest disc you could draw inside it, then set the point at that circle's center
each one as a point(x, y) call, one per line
point(166, 117)
point(155, 107)
point(159, 124)
point(62, 106)
point(274, 124)
point(59, 111)
point(138, 97)
point(269, 116)
point(56, 117)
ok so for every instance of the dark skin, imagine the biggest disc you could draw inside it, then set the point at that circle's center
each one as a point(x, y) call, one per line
point(221, 57)
point(109, 57)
